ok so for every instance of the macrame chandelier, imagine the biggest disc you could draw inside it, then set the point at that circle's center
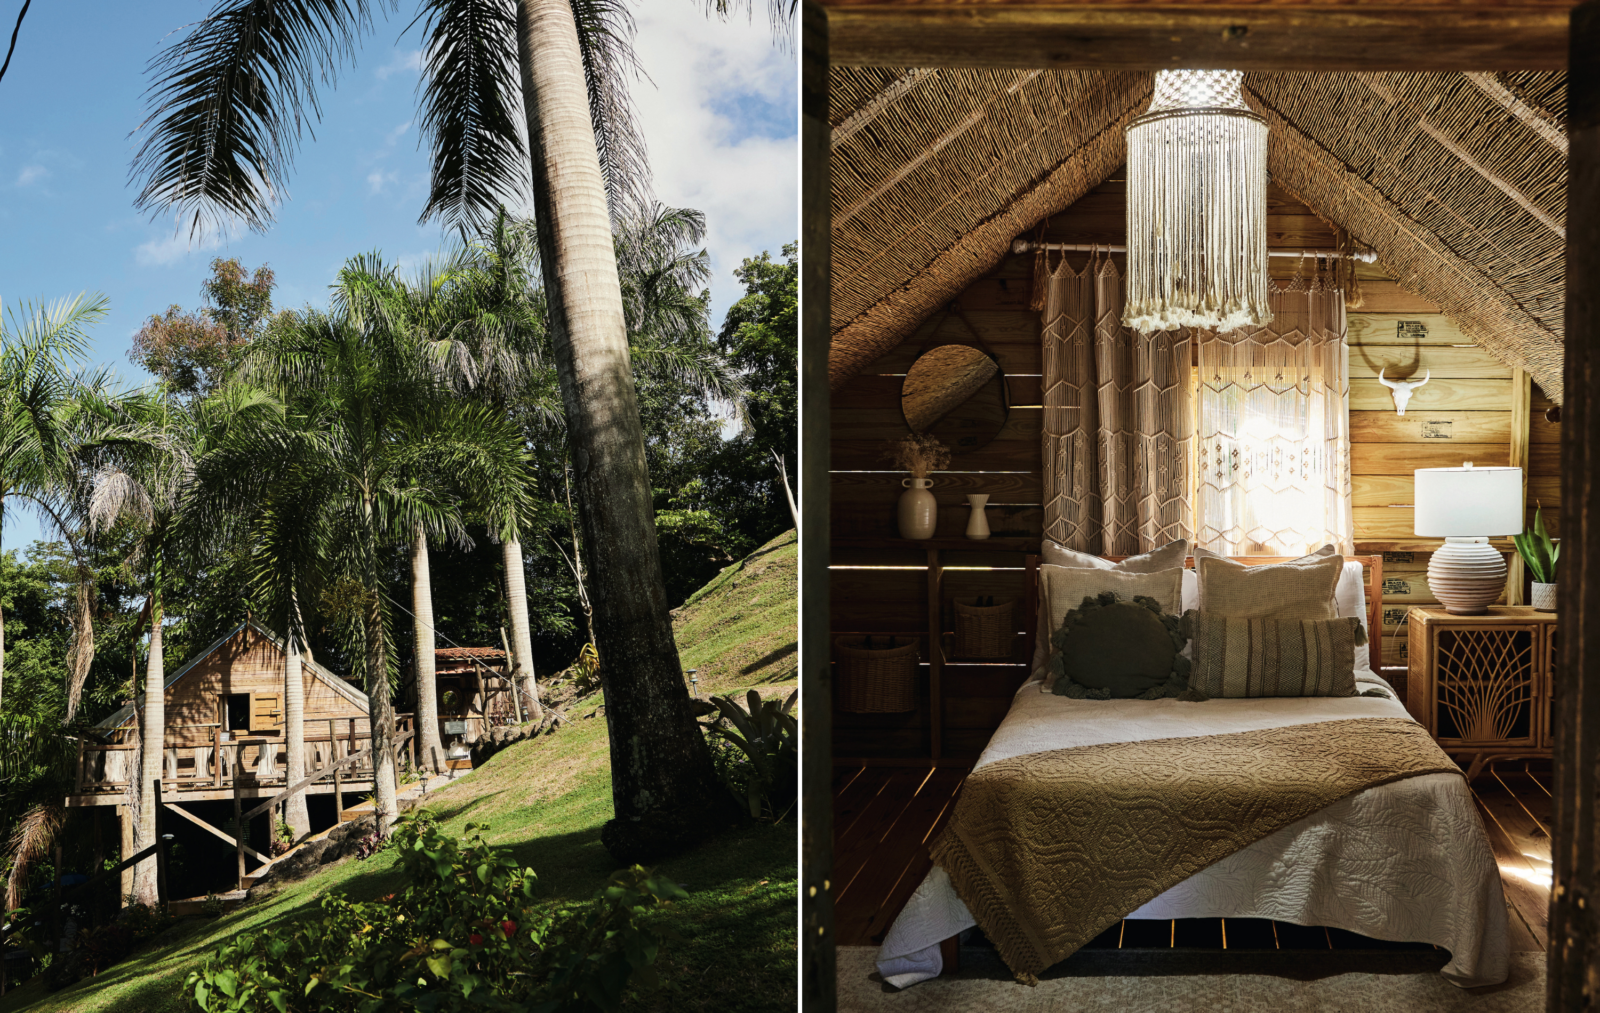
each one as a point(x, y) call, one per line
point(1197, 207)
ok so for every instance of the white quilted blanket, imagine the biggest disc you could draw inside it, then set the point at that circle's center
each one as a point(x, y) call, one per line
point(1406, 861)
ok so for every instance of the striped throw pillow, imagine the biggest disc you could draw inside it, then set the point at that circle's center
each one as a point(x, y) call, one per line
point(1235, 657)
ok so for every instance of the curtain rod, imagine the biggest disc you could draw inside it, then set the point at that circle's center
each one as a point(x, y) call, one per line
point(1029, 246)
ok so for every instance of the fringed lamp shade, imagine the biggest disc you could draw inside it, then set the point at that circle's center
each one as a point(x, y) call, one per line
point(1197, 207)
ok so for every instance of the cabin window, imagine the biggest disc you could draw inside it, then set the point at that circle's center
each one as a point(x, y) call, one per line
point(236, 712)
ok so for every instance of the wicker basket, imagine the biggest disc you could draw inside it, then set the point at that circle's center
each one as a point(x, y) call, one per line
point(876, 680)
point(985, 631)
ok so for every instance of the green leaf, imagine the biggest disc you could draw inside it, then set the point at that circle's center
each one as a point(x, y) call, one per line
point(439, 964)
point(278, 1000)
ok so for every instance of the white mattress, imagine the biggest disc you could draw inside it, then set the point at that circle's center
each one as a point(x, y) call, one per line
point(1406, 861)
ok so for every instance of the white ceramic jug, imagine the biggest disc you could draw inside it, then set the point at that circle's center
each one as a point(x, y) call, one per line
point(919, 511)
point(978, 523)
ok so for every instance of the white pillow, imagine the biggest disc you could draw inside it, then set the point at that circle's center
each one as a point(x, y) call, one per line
point(1350, 599)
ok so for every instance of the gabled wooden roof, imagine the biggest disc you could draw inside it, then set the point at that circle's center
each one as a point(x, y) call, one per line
point(125, 714)
point(1456, 180)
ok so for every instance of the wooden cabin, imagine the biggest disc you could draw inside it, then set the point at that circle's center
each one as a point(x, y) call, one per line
point(473, 687)
point(944, 146)
point(225, 723)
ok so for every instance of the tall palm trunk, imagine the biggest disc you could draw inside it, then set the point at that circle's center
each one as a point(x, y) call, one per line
point(522, 674)
point(154, 742)
point(381, 718)
point(428, 744)
point(380, 708)
point(294, 731)
point(664, 791)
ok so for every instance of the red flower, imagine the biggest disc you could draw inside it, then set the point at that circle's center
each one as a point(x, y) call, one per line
point(509, 928)
point(475, 939)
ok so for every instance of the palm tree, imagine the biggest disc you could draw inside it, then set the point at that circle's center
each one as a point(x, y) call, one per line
point(140, 477)
point(375, 414)
point(39, 395)
point(450, 310)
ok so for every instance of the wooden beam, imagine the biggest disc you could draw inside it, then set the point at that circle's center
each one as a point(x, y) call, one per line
point(1521, 412)
point(1575, 845)
point(1306, 36)
point(874, 106)
point(213, 831)
point(1537, 120)
point(818, 975)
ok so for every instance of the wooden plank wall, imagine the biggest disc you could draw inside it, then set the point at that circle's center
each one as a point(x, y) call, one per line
point(879, 582)
point(1467, 411)
point(249, 663)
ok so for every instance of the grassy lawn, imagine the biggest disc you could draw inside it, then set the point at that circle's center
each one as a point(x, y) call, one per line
point(545, 801)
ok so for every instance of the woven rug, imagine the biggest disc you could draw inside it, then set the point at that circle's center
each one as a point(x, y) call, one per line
point(1179, 982)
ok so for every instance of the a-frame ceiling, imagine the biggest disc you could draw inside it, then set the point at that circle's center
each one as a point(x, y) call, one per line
point(1457, 181)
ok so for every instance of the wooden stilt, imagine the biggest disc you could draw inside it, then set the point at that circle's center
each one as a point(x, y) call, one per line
point(238, 829)
point(129, 846)
point(1572, 982)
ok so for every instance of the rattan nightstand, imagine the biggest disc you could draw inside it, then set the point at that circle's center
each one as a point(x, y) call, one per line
point(1481, 684)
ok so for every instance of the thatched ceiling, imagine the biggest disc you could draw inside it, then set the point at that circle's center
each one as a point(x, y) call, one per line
point(1458, 182)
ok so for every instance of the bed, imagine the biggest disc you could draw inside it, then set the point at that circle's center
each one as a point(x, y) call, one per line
point(1404, 861)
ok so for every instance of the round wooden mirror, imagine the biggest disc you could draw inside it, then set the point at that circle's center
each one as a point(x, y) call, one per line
point(958, 394)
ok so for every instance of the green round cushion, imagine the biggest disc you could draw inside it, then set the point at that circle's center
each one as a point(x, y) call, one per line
point(1122, 649)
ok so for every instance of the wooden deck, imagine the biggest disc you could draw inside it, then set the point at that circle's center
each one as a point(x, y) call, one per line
point(884, 818)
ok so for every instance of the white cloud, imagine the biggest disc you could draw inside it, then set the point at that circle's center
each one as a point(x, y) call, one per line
point(378, 179)
point(173, 248)
point(395, 134)
point(31, 174)
point(403, 63)
point(722, 124)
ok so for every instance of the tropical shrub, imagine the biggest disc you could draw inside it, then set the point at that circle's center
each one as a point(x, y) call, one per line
point(762, 768)
point(462, 935)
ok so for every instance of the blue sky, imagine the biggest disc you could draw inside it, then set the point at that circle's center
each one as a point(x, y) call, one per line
point(719, 112)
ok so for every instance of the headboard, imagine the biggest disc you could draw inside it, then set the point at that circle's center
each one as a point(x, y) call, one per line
point(1374, 590)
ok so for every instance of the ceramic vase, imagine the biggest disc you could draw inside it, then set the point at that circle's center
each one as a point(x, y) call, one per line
point(919, 511)
point(1544, 597)
point(978, 522)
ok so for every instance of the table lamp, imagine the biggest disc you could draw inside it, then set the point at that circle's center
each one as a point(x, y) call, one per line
point(1467, 506)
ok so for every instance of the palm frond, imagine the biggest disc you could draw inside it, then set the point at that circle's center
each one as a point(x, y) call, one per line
point(780, 15)
point(30, 841)
point(472, 111)
point(605, 37)
point(230, 101)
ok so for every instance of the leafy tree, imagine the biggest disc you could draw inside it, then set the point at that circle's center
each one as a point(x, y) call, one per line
point(193, 351)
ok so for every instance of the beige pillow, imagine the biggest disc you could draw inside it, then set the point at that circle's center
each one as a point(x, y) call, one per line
point(1327, 550)
point(1165, 558)
point(1267, 657)
point(1284, 591)
point(1065, 587)
point(1055, 554)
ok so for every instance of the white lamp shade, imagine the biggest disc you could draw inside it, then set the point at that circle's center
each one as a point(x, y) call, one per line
point(1468, 502)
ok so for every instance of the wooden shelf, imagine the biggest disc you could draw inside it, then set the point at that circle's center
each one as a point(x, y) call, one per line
point(1023, 545)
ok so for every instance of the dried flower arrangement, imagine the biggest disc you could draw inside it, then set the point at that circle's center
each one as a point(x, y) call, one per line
point(918, 454)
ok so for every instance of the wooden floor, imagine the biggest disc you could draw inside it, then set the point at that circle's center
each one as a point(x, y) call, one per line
point(884, 818)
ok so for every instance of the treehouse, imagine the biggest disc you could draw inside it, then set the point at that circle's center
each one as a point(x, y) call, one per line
point(225, 728)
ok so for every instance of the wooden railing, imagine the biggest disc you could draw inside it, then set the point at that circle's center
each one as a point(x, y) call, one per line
point(256, 758)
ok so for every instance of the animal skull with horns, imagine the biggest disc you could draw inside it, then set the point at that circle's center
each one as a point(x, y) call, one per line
point(1402, 389)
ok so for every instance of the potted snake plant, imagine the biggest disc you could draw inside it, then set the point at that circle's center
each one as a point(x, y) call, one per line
point(1539, 552)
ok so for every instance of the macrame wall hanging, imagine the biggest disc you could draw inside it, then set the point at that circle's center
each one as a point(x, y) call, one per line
point(1197, 207)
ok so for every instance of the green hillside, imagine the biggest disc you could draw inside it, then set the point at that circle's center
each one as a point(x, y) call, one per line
point(743, 628)
point(545, 800)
